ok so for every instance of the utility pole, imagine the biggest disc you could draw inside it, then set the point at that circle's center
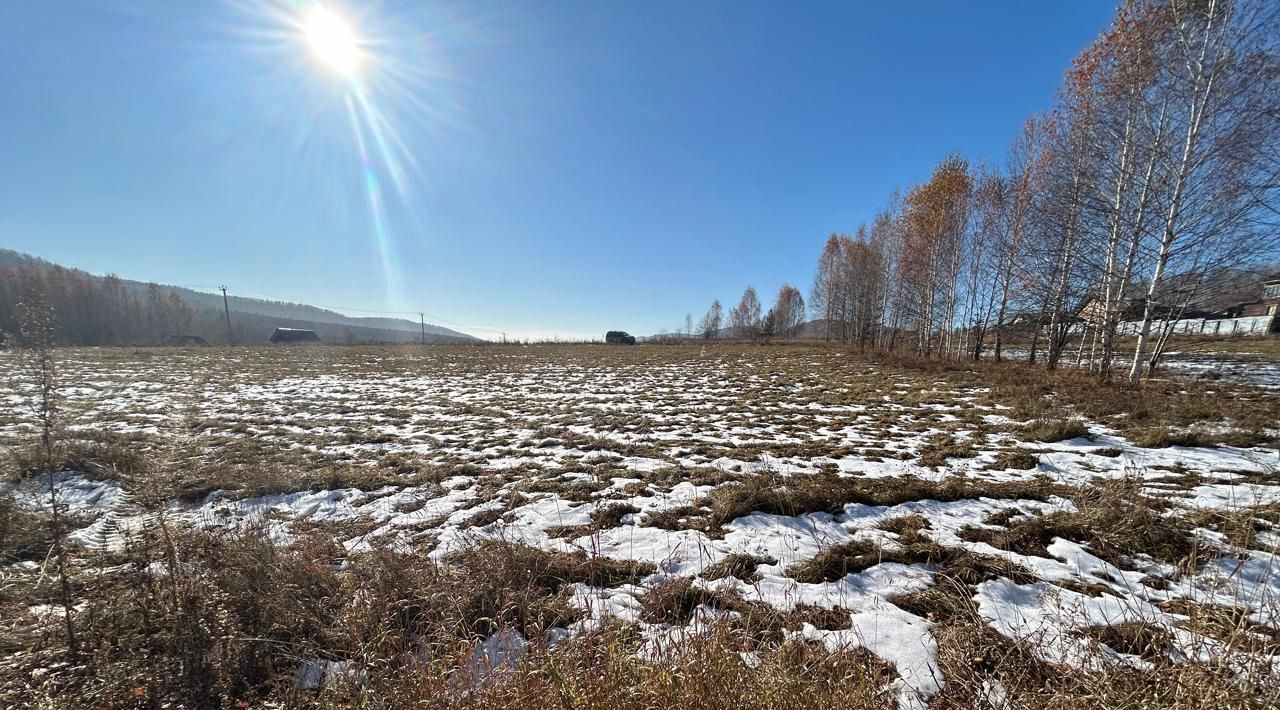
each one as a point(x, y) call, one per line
point(423, 324)
point(226, 310)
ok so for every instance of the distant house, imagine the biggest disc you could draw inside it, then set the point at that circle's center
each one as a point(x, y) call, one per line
point(619, 337)
point(1026, 318)
point(294, 335)
point(1228, 303)
point(1093, 311)
point(1221, 295)
point(1269, 304)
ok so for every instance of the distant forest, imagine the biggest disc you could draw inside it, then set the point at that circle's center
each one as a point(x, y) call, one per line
point(108, 310)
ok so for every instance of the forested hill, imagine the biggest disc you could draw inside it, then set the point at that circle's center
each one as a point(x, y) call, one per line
point(108, 310)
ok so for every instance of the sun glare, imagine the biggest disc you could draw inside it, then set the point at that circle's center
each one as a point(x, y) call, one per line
point(332, 41)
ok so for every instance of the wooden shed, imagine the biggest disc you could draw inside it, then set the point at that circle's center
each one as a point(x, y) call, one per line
point(294, 335)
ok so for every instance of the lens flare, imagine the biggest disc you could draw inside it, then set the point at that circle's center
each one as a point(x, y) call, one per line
point(356, 88)
point(373, 192)
point(332, 41)
point(334, 44)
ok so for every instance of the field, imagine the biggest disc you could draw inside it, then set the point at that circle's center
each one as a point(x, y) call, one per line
point(698, 526)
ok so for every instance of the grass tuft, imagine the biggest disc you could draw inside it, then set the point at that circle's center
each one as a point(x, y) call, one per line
point(1053, 430)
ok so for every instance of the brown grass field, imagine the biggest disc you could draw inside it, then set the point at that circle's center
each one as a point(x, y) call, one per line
point(701, 526)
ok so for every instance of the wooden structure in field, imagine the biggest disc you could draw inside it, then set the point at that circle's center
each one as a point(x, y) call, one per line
point(294, 335)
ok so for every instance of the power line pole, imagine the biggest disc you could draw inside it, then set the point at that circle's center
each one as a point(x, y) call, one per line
point(423, 324)
point(226, 310)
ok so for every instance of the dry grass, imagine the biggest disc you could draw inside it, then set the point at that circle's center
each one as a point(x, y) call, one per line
point(836, 562)
point(104, 456)
point(1114, 518)
point(907, 527)
point(942, 446)
point(1241, 525)
point(1269, 346)
point(739, 565)
point(972, 657)
point(1051, 430)
point(1228, 625)
point(1014, 460)
point(228, 619)
point(602, 518)
point(825, 492)
point(221, 619)
point(1038, 394)
point(1134, 638)
point(24, 534)
point(1160, 437)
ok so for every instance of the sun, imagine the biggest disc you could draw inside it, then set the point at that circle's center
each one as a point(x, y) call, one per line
point(332, 41)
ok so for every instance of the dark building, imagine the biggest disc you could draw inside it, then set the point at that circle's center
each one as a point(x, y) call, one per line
point(1269, 304)
point(294, 335)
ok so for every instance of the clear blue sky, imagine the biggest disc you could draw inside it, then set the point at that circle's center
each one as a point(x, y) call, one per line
point(565, 167)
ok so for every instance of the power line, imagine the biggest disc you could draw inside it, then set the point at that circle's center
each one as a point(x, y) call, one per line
point(340, 310)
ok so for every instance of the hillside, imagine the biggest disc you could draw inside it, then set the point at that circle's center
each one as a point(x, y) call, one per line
point(106, 310)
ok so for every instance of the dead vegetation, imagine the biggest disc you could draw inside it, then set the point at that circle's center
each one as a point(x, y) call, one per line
point(211, 621)
point(838, 561)
point(1115, 519)
point(1014, 460)
point(602, 518)
point(943, 446)
point(824, 492)
point(25, 535)
point(182, 618)
point(739, 565)
point(1053, 430)
point(1240, 526)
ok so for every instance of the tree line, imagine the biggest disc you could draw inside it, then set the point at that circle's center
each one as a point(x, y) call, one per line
point(784, 319)
point(1152, 177)
point(92, 310)
point(111, 311)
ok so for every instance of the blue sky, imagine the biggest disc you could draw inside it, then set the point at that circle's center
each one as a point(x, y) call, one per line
point(551, 168)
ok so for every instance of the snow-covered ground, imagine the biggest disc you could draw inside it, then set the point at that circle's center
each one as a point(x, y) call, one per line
point(540, 443)
point(1252, 369)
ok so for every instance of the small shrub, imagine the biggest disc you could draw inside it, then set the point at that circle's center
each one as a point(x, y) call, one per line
point(674, 601)
point(832, 619)
point(739, 565)
point(24, 535)
point(1144, 640)
point(907, 527)
point(942, 446)
point(1053, 430)
point(1014, 460)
